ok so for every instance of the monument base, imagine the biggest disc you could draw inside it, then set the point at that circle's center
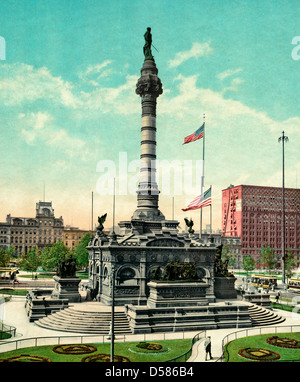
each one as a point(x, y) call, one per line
point(66, 288)
point(176, 294)
point(175, 319)
point(224, 287)
point(178, 306)
point(39, 304)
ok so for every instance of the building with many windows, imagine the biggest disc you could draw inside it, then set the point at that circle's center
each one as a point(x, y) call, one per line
point(254, 213)
point(27, 233)
point(73, 236)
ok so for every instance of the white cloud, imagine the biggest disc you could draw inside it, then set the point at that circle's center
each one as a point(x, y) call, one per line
point(21, 83)
point(32, 123)
point(94, 73)
point(228, 73)
point(120, 100)
point(234, 85)
point(197, 50)
point(41, 128)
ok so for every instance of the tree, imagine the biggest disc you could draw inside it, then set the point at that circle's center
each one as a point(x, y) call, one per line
point(268, 257)
point(290, 263)
point(228, 255)
point(81, 253)
point(31, 260)
point(11, 251)
point(4, 258)
point(248, 263)
point(51, 256)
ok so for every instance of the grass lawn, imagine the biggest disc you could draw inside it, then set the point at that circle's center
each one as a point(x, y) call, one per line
point(260, 341)
point(16, 292)
point(171, 349)
point(4, 335)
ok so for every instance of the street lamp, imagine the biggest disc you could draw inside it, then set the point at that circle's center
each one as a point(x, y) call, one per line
point(283, 139)
point(111, 335)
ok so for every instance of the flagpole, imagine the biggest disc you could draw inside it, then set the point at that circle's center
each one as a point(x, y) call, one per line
point(210, 213)
point(202, 179)
point(173, 208)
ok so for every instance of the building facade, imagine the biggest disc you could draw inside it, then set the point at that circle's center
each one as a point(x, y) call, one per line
point(4, 235)
point(73, 236)
point(28, 233)
point(254, 214)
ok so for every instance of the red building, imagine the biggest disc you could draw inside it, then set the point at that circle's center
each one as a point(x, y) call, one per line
point(254, 213)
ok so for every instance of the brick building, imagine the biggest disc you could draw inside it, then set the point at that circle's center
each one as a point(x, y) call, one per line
point(73, 236)
point(254, 213)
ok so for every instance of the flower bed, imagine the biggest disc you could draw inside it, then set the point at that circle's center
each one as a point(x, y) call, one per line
point(104, 358)
point(284, 342)
point(258, 354)
point(74, 349)
point(149, 348)
point(26, 358)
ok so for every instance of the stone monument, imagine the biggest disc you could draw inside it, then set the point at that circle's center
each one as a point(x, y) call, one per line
point(148, 239)
point(67, 283)
point(148, 243)
point(224, 280)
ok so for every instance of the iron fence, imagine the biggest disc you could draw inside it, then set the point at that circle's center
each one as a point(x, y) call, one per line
point(255, 331)
point(6, 330)
point(21, 343)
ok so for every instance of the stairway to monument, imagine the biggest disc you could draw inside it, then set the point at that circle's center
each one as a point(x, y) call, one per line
point(263, 317)
point(85, 322)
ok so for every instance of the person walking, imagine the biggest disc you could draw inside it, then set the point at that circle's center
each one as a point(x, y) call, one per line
point(207, 347)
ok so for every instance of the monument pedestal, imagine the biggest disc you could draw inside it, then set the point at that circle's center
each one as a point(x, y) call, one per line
point(224, 287)
point(67, 288)
point(179, 306)
point(171, 294)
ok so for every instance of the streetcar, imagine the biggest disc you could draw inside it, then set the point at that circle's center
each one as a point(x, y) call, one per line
point(8, 273)
point(294, 284)
point(264, 281)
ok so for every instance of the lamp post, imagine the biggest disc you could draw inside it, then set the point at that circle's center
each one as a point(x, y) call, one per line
point(283, 139)
point(112, 324)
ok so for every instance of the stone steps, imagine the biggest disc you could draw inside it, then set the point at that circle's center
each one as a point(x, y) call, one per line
point(263, 317)
point(77, 321)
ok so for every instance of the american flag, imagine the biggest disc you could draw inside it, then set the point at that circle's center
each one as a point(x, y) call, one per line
point(200, 201)
point(196, 135)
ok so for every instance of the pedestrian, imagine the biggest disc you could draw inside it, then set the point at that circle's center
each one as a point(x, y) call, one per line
point(277, 297)
point(207, 347)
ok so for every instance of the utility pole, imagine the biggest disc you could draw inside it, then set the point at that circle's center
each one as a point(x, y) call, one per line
point(112, 339)
point(111, 335)
point(92, 222)
point(283, 139)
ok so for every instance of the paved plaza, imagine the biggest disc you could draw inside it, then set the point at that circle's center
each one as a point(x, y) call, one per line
point(15, 315)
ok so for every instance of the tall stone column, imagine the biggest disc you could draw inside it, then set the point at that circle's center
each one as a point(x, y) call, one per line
point(149, 88)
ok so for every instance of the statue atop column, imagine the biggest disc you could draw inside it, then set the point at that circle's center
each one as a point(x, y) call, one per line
point(147, 46)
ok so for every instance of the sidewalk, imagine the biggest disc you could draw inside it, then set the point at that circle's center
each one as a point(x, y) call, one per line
point(198, 354)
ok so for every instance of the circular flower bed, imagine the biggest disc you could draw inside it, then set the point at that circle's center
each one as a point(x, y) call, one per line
point(149, 346)
point(258, 354)
point(74, 349)
point(26, 358)
point(284, 342)
point(104, 358)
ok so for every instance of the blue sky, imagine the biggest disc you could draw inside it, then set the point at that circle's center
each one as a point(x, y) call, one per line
point(67, 97)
